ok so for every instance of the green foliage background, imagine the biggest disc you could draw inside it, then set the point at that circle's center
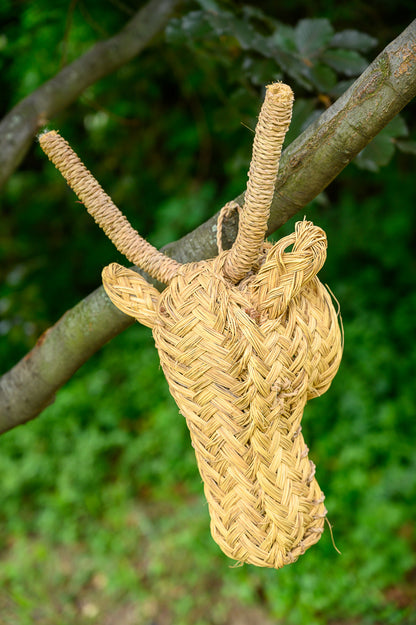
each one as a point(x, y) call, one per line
point(102, 515)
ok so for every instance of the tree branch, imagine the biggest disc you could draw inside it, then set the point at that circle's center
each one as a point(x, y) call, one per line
point(308, 165)
point(322, 151)
point(21, 124)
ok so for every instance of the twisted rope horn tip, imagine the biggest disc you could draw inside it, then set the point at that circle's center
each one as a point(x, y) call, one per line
point(105, 213)
point(273, 123)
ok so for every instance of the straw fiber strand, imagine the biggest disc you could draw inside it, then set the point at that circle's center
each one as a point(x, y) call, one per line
point(245, 340)
point(272, 125)
point(241, 371)
point(105, 213)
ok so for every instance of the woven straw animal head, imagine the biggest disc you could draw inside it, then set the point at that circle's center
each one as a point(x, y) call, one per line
point(244, 340)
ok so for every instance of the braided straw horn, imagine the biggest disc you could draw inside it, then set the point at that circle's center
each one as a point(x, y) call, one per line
point(274, 120)
point(106, 214)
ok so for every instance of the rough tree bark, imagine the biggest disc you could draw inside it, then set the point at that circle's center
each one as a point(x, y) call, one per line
point(21, 124)
point(308, 165)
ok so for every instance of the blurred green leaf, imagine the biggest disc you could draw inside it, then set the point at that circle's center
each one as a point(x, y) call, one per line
point(193, 25)
point(290, 64)
point(222, 22)
point(348, 62)
point(323, 77)
point(380, 150)
point(376, 154)
point(226, 23)
point(261, 71)
point(396, 128)
point(353, 40)
point(284, 38)
point(301, 52)
point(209, 5)
point(250, 12)
point(408, 147)
point(312, 35)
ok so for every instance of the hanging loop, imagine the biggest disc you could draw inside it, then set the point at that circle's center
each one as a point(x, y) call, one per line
point(226, 211)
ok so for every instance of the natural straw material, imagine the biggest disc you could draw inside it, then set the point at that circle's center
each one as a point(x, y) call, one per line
point(241, 362)
point(273, 123)
point(242, 356)
point(127, 240)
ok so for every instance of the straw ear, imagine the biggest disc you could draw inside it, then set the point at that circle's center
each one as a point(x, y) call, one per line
point(131, 293)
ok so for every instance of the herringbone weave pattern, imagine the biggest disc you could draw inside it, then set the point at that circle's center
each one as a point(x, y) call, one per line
point(241, 366)
point(244, 339)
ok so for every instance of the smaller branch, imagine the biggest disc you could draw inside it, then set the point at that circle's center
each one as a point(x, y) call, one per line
point(21, 124)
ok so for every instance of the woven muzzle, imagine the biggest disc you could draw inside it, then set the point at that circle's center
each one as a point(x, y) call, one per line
point(241, 362)
point(242, 351)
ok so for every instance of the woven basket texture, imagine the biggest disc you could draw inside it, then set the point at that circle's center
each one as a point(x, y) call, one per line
point(244, 339)
point(241, 361)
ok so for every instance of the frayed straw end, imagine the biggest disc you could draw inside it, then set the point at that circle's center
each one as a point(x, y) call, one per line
point(280, 90)
point(332, 537)
point(41, 136)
